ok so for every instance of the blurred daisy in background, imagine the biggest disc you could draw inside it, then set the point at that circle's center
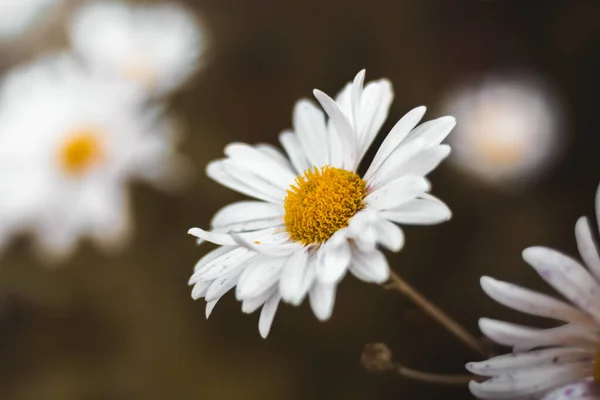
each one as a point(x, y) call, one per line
point(156, 46)
point(16, 16)
point(315, 218)
point(70, 142)
point(558, 363)
point(510, 129)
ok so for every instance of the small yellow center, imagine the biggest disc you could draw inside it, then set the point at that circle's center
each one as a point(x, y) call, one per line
point(81, 151)
point(321, 202)
point(597, 366)
point(140, 72)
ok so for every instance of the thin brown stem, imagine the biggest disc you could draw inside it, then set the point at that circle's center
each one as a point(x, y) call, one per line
point(429, 377)
point(399, 284)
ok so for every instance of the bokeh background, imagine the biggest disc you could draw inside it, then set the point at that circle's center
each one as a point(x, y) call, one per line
point(125, 326)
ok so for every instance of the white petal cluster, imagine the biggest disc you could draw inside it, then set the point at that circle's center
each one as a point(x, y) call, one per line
point(554, 363)
point(156, 46)
point(41, 107)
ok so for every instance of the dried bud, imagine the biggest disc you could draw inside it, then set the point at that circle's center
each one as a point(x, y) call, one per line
point(376, 358)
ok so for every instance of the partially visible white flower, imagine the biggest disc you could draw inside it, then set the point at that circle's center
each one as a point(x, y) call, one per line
point(558, 363)
point(315, 218)
point(157, 46)
point(16, 16)
point(70, 142)
point(510, 129)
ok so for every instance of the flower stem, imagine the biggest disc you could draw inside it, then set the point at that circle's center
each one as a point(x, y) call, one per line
point(429, 377)
point(399, 284)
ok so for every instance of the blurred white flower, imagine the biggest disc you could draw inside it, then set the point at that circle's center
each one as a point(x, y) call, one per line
point(315, 218)
point(509, 129)
point(18, 15)
point(69, 144)
point(556, 363)
point(157, 46)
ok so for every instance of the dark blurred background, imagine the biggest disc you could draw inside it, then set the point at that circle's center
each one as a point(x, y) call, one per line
point(125, 326)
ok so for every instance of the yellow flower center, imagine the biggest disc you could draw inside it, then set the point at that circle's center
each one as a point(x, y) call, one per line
point(321, 202)
point(140, 72)
point(81, 151)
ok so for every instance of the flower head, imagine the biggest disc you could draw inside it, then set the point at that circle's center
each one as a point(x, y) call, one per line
point(510, 129)
point(70, 141)
point(157, 46)
point(315, 218)
point(556, 363)
point(18, 15)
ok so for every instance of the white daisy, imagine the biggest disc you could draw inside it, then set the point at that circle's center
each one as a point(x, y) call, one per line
point(547, 359)
point(157, 46)
point(18, 15)
point(69, 143)
point(510, 129)
point(315, 218)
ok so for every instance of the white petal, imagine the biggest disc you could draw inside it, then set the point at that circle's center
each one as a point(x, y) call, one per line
point(275, 155)
point(322, 298)
point(427, 161)
point(275, 245)
point(332, 260)
point(252, 160)
point(244, 211)
point(374, 107)
point(310, 128)
point(296, 278)
point(567, 276)
point(343, 128)
point(389, 235)
point(532, 359)
point(226, 239)
point(213, 254)
point(252, 304)
point(531, 302)
point(524, 338)
point(210, 306)
point(370, 266)
point(199, 289)
point(529, 382)
point(222, 265)
point(222, 285)
point(586, 389)
point(394, 138)
point(292, 147)
point(419, 212)
point(587, 246)
point(433, 132)
point(391, 167)
point(217, 171)
point(267, 314)
point(258, 276)
point(397, 192)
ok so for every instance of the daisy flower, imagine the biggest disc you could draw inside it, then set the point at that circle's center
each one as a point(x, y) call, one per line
point(69, 144)
point(18, 15)
point(156, 46)
point(556, 363)
point(314, 217)
point(510, 129)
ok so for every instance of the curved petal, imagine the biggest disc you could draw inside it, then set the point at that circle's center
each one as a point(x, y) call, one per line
point(567, 276)
point(267, 314)
point(531, 302)
point(322, 298)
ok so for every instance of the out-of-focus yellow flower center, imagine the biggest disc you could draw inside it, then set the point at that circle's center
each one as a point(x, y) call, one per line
point(597, 366)
point(500, 153)
point(321, 202)
point(141, 72)
point(81, 151)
